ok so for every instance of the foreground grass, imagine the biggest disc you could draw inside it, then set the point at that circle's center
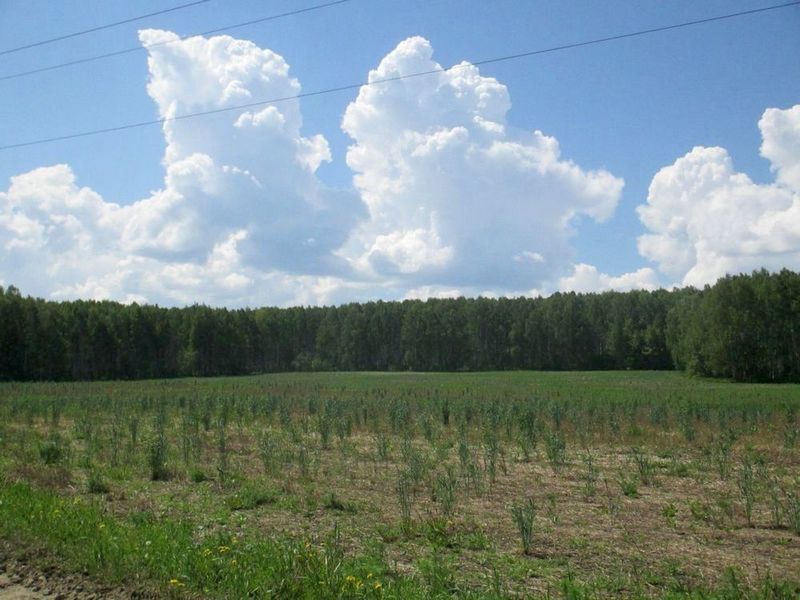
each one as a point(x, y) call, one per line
point(166, 552)
point(405, 486)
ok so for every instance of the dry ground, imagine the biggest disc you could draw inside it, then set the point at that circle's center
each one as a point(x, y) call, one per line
point(683, 529)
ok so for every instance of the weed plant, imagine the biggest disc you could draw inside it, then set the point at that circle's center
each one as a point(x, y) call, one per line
point(524, 515)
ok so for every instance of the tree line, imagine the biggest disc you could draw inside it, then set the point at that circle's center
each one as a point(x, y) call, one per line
point(745, 327)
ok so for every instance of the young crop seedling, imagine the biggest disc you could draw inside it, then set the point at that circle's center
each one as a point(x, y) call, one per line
point(524, 515)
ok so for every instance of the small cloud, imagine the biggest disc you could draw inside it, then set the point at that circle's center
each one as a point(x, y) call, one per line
point(586, 278)
point(528, 256)
point(431, 291)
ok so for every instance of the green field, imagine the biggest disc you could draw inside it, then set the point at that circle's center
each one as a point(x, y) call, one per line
point(405, 485)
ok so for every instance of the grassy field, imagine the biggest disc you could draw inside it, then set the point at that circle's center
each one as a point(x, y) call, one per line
point(367, 485)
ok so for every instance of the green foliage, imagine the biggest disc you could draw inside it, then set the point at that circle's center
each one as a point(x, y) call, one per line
point(157, 457)
point(556, 449)
point(629, 484)
point(744, 327)
point(95, 483)
point(644, 465)
point(747, 482)
point(445, 490)
point(524, 515)
point(53, 451)
point(332, 502)
point(197, 475)
point(249, 496)
point(720, 452)
point(437, 570)
point(164, 551)
point(383, 446)
point(405, 496)
point(792, 508)
point(670, 513)
point(589, 476)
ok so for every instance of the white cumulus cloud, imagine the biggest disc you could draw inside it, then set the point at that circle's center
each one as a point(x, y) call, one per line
point(456, 196)
point(705, 219)
point(52, 232)
point(448, 197)
point(248, 170)
point(241, 217)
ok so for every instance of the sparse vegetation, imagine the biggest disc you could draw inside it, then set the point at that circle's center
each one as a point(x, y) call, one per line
point(363, 486)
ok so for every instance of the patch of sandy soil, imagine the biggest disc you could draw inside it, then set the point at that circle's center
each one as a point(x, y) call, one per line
point(20, 580)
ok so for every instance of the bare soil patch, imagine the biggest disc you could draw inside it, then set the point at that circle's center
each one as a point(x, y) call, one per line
point(24, 576)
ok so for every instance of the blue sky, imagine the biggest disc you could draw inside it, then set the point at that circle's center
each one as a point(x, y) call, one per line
point(628, 108)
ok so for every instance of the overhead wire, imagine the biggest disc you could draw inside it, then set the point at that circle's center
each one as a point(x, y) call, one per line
point(139, 48)
point(101, 27)
point(374, 82)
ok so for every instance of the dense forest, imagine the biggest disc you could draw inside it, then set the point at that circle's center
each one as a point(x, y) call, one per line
point(745, 327)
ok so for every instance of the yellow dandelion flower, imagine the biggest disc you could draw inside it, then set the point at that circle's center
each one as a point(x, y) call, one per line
point(224, 549)
point(377, 587)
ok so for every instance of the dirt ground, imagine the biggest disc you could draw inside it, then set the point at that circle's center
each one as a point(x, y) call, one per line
point(20, 580)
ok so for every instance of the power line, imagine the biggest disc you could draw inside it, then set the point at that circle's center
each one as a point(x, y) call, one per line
point(101, 27)
point(623, 36)
point(139, 48)
point(397, 77)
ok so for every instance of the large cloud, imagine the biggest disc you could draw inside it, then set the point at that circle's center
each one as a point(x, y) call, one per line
point(449, 199)
point(63, 241)
point(242, 217)
point(242, 170)
point(458, 202)
point(706, 220)
point(457, 197)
